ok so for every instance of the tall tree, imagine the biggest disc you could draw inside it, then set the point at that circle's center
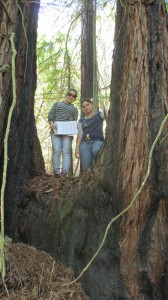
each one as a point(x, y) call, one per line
point(24, 152)
point(132, 263)
point(139, 104)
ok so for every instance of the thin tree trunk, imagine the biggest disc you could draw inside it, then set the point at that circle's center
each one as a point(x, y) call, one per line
point(95, 83)
point(87, 50)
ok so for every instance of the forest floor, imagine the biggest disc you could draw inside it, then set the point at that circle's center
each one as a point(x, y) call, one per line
point(49, 184)
point(51, 189)
point(33, 274)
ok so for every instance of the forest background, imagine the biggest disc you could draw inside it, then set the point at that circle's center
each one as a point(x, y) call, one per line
point(59, 59)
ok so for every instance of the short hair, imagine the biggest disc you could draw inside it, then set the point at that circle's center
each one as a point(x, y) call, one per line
point(87, 100)
point(72, 90)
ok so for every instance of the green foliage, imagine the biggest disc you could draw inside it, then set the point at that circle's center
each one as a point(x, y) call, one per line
point(56, 71)
point(51, 63)
point(166, 3)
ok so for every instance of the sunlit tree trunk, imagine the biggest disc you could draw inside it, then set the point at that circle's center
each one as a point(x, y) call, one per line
point(95, 81)
point(24, 153)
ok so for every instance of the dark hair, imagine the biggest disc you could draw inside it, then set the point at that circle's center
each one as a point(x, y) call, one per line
point(72, 90)
point(87, 100)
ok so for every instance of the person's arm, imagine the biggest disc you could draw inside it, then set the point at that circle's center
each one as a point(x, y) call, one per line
point(51, 115)
point(75, 116)
point(102, 116)
point(78, 141)
point(51, 123)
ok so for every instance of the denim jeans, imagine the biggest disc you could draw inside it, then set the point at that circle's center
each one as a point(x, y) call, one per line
point(88, 152)
point(61, 159)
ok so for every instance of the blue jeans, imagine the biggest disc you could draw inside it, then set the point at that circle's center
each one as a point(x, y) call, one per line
point(88, 152)
point(61, 146)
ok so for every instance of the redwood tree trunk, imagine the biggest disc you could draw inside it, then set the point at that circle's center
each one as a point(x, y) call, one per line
point(24, 153)
point(139, 104)
point(133, 261)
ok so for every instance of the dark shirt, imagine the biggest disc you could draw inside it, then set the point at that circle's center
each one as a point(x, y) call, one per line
point(93, 127)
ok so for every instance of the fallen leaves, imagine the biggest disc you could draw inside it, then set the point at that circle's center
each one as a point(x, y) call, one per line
point(34, 274)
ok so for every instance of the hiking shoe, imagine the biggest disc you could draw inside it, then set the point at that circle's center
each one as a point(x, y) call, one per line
point(57, 175)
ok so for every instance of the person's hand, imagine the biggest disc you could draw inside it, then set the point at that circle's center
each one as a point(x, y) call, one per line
point(51, 124)
point(77, 153)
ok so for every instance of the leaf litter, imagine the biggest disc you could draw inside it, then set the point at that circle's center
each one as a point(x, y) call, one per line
point(34, 274)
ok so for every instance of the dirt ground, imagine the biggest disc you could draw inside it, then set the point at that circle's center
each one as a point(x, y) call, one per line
point(34, 274)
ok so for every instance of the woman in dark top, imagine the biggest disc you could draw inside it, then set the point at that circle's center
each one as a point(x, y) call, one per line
point(90, 134)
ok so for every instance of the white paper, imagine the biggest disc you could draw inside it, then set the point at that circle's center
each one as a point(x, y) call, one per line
point(67, 128)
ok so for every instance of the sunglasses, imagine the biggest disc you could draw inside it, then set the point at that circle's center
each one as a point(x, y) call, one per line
point(72, 95)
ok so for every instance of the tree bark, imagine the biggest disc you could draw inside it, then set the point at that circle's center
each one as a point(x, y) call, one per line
point(24, 152)
point(132, 263)
point(89, 84)
point(87, 49)
point(139, 104)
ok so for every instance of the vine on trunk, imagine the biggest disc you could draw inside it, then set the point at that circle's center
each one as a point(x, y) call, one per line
point(2, 238)
point(131, 203)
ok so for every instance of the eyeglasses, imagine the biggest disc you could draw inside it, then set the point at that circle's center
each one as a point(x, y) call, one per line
point(72, 95)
